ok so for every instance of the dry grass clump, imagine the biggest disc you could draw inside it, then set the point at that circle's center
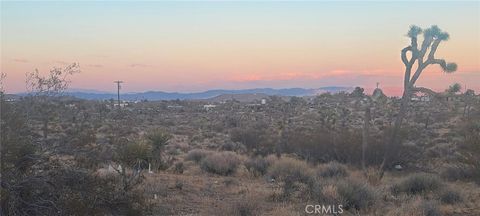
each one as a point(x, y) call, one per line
point(197, 155)
point(333, 169)
point(355, 194)
point(222, 163)
point(460, 173)
point(291, 172)
point(417, 207)
point(418, 183)
point(244, 207)
point(291, 169)
point(257, 166)
point(324, 193)
point(449, 196)
point(352, 194)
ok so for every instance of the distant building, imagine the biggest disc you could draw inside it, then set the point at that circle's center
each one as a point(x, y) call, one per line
point(174, 107)
point(123, 104)
point(70, 105)
point(421, 98)
point(209, 106)
point(263, 101)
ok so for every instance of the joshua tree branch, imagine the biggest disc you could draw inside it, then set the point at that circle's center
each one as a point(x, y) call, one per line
point(404, 55)
point(440, 62)
point(414, 44)
point(435, 44)
point(417, 73)
point(426, 43)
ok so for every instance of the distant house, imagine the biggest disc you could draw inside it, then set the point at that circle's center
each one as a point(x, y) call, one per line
point(421, 98)
point(174, 107)
point(208, 107)
point(10, 98)
point(123, 104)
point(71, 105)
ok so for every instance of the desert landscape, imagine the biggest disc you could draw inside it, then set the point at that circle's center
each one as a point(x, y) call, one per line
point(275, 150)
point(271, 156)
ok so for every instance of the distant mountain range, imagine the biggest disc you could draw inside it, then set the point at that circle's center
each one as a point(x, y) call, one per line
point(159, 95)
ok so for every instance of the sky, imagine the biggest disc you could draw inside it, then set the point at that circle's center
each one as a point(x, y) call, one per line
point(196, 46)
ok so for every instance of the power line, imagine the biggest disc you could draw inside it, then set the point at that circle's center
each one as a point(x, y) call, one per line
point(118, 91)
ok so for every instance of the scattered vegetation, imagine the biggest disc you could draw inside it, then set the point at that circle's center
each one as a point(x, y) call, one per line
point(222, 163)
point(355, 194)
point(258, 166)
point(418, 184)
point(197, 155)
point(333, 169)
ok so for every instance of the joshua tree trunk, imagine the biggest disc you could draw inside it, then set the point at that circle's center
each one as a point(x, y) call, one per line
point(393, 140)
point(432, 38)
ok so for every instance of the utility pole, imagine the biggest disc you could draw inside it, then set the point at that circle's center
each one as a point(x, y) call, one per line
point(118, 91)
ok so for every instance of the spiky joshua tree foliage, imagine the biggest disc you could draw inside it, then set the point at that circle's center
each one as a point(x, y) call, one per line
point(419, 59)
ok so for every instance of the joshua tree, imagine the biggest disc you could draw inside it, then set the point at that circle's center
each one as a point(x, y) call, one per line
point(421, 57)
point(453, 89)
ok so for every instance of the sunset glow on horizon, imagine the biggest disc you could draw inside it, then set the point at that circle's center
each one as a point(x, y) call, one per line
point(197, 46)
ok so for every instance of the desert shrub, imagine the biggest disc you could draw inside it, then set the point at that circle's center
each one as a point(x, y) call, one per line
point(223, 163)
point(324, 193)
point(355, 195)
point(450, 196)
point(456, 173)
point(417, 184)
point(323, 145)
point(244, 207)
point(197, 155)
point(179, 185)
point(255, 138)
point(179, 167)
point(230, 181)
point(257, 166)
point(417, 206)
point(232, 146)
point(290, 169)
point(333, 169)
point(430, 208)
point(470, 148)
